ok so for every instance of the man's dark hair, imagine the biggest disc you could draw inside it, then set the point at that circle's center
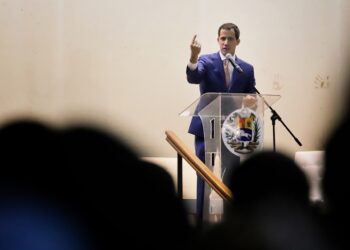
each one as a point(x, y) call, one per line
point(230, 26)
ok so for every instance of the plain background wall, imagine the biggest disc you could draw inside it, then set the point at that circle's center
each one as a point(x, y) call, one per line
point(121, 63)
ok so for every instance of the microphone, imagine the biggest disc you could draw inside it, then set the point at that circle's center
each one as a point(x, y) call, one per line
point(234, 64)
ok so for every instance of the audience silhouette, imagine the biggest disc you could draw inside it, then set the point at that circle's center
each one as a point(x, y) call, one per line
point(81, 187)
point(336, 172)
point(335, 185)
point(270, 209)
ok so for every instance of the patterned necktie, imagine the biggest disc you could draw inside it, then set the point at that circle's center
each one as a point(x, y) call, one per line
point(227, 73)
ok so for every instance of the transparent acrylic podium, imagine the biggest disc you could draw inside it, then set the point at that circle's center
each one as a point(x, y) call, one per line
point(233, 129)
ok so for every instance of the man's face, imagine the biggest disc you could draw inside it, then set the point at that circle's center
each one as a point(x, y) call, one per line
point(227, 41)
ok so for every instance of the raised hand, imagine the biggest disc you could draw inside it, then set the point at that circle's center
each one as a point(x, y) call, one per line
point(195, 50)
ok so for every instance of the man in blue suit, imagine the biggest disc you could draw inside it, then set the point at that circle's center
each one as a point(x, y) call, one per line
point(214, 73)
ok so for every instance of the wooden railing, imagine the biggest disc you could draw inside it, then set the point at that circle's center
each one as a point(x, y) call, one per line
point(214, 182)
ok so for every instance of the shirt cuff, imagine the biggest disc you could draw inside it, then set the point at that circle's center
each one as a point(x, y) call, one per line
point(192, 66)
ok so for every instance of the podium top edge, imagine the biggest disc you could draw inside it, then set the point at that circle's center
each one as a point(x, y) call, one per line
point(238, 94)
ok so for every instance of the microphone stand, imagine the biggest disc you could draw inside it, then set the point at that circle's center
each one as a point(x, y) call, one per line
point(275, 116)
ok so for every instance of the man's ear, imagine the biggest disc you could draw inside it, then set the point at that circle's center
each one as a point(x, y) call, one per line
point(238, 41)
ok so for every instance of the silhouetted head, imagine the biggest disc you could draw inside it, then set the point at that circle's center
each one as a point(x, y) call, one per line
point(270, 208)
point(91, 179)
point(28, 149)
point(266, 175)
point(336, 172)
point(38, 203)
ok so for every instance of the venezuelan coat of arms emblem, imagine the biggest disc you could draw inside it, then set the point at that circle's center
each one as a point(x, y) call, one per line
point(242, 131)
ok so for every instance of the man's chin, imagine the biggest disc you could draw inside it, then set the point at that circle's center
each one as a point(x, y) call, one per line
point(225, 51)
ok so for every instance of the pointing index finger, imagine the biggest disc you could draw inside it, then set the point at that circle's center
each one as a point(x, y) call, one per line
point(194, 38)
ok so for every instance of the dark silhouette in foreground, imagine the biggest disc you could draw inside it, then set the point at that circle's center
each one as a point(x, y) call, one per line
point(82, 188)
point(270, 209)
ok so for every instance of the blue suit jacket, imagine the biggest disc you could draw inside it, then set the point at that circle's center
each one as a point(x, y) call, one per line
point(210, 76)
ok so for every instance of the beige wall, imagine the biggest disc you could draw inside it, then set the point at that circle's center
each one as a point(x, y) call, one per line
point(71, 60)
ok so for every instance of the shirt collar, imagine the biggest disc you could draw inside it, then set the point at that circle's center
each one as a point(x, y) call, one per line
point(224, 57)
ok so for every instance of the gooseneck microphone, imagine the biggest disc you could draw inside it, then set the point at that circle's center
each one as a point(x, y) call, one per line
point(233, 62)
